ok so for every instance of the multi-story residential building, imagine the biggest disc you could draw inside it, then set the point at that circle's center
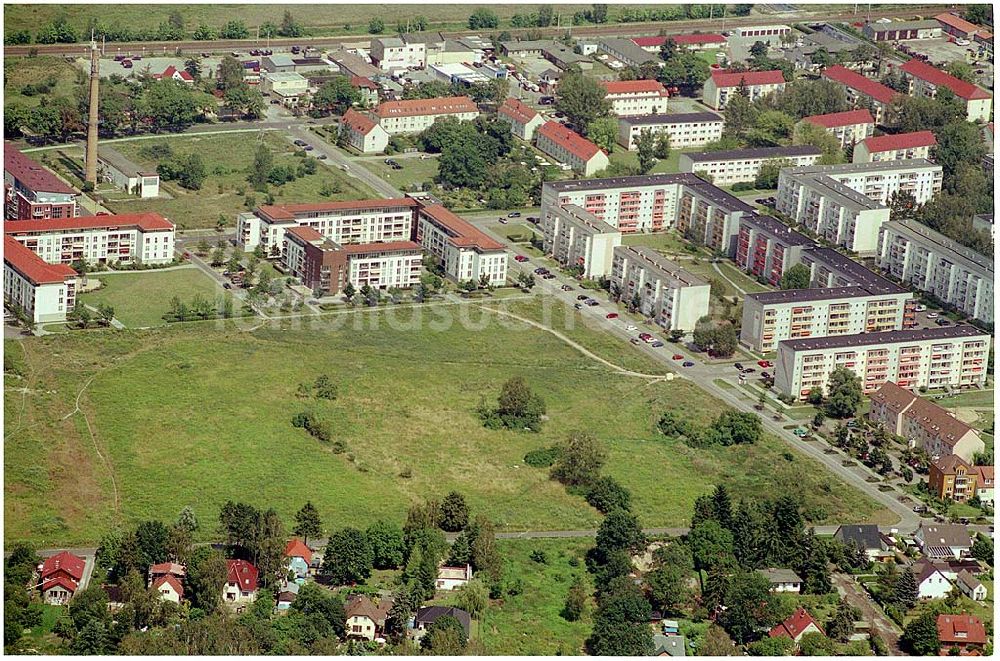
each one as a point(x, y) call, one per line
point(570, 148)
point(363, 133)
point(464, 251)
point(880, 181)
point(933, 263)
point(31, 192)
point(832, 210)
point(770, 317)
point(636, 97)
point(983, 222)
point(687, 129)
point(577, 238)
point(952, 478)
point(354, 221)
point(984, 484)
point(393, 54)
point(733, 166)
point(949, 356)
point(898, 147)
point(141, 238)
point(849, 127)
point(829, 268)
point(669, 295)
point(925, 80)
point(902, 30)
point(863, 92)
point(415, 115)
point(766, 247)
point(722, 84)
point(368, 89)
point(43, 292)
point(922, 423)
point(524, 120)
point(327, 267)
point(693, 41)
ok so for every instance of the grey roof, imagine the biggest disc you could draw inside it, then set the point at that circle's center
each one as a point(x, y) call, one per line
point(564, 54)
point(946, 534)
point(429, 614)
point(903, 25)
point(706, 190)
point(805, 295)
point(538, 44)
point(280, 60)
point(669, 645)
point(847, 268)
point(672, 272)
point(968, 579)
point(827, 186)
point(866, 535)
point(427, 38)
point(389, 42)
point(780, 575)
point(777, 229)
point(120, 162)
point(674, 118)
point(874, 166)
point(576, 214)
point(760, 152)
point(888, 337)
point(627, 49)
point(940, 243)
point(355, 64)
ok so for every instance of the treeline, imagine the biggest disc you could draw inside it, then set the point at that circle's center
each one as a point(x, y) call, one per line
point(200, 308)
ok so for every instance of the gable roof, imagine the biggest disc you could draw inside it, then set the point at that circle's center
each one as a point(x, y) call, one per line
point(725, 78)
point(669, 645)
point(932, 418)
point(60, 581)
point(841, 74)
point(900, 141)
point(357, 121)
point(167, 579)
point(939, 78)
point(968, 580)
point(460, 232)
point(32, 267)
point(633, 86)
point(924, 569)
point(952, 535)
point(865, 535)
point(796, 623)
point(31, 173)
point(415, 107)
point(960, 629)
point(146, 221)
point(680, 39)
point(950, 463)
point(958, 23)
point(363, 82)
point(985, 476)
point(170, 71)
point(65, 561)
point(167, 568)
point(429, 615)
point(242, 574)
point(846, 118)
point(518, 111)
point(289, 212)
point(360, 605)
point(296, 548)
point(571, 141)
point(779, 575)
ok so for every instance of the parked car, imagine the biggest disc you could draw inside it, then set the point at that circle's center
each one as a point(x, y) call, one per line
point(739, 366)
point(688, 363)
point(502, 221)
point(943, 322)
point(932, 315)
point(308, 147)
point(520, 258)
point(764, 363)
point(566, 288)
point(657, 344)
point(514, 214)
point(227, 285)
point(749, 370)
point(677, 356)
point(611, 315)
point(548, 276)
point(299, 143)
point(541, 270)
point(322, 157)
point(635, 341)
point(578, 306)
point(582, 297)
point(801, 432)
point(591, 302)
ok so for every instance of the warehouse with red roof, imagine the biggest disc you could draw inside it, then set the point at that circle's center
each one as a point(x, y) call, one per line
point(722, 84)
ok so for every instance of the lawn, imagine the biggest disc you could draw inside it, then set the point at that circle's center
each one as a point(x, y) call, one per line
point(226, 158)
point(670, 164)
point(19, 72)
point(415, 173)
point(200, 414)
point(666, 242)
point(141, 298)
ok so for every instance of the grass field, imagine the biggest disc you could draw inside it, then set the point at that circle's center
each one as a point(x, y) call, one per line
point(415, 172)
point(668, 164)
point(19, 72)
point(226, 158)
point(668, 242)
point(199, 415)
point(142, 298)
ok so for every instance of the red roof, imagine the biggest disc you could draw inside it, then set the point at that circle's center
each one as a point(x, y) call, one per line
point(363, 82)
point(357, 121)
point(960, 629)
point(633, 86)
point(680, 40)
point(243, 574)
point(575, 143)
point(306, 233)
point(724, 78)
point(167, 568)
point(796, 623)
point(939, 78)
point(415, 107)
point(171, 581)
point(957, 22)
point(59, 581)
point(297, 549)
point(854, 80)
point(169, 72)
point(147, 221)
point(34, 269)
point(518, 111)
point(288, 211)
point(383, 247)
point(847, 118)
point(31, 174)
point(461, 232)
point(64, 560)
point(900, 141)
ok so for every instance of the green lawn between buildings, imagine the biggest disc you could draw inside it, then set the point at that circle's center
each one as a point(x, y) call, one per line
point(199, 415)
point(416, 172)
point(141, 298)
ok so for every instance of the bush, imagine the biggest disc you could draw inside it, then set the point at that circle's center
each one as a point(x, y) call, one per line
point(542, 457)
point(606, 494)
point(539, 556)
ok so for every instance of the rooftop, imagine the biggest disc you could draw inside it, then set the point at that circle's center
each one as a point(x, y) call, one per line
point(875, 166)
point(899, 141)
point(725, 78)
point(517, 110)
point(951, 20)
point(805, 295)
point(438, 106)
point(357, 121)
point(780, 575)
point(941, 333)
point(461, 232)
point(851, 270)
point(933, 418)
point(633, 87)
point(777, 229)
point(672, 272)
point(120, 162)
point(290, 212)
point(571, 141)
point(627, 49)
point(147, 221)
point(940, 78)
point(704, 189)
point(942, 244)
point(285, 77)
point(670, 118)
point(856, 81)
point(526, 45)
point(830, 188)
point(846, 118)
point(31, 174)
point(759, 152)
point(578, 215)
point(904, 25)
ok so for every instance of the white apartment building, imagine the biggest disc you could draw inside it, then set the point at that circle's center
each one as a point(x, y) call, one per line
point(393, 54)
point(524, 120)
point(722, 84)
point(570, 148)
point(735, 166)
point(141, 238)
point(849, 127)
point(415, 115)
point(863, 92)
point(770, 317)
point(576, 237)
point(766, 247)
point(354, 221)
point(689, 129)
point(949, 356)
point(925, 80)
point(43, 292)
point(933, 263)
point(464, 251)
point(879, 181)
point(669, 295)
point(899, 147)
point(636, 97)
point(363, 133)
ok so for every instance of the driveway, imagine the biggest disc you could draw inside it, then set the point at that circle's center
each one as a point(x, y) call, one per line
point(855, 595)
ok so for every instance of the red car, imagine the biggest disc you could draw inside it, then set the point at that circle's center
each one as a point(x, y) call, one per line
point(520, 258)
point(677, 356)
point(611, 315)
point(764, 363)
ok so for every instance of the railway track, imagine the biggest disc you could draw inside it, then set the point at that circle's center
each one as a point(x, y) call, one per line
point(631, 29)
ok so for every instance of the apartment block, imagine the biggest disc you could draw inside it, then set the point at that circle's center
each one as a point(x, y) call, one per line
point(524, 120)
point(951, 477)
point(829, 268)
point(393, 54)
point(766, 247)
point(415, 115)
point(735, 166)
point(31, 192)
point(636, 97)
point(570, 148)
point(464, 251)
point(933, 263)
point(141, 238)
point(354, 221)
point(849, 127)
point(899, 147)
point(687, 129)
point(326, 266)
point(949, 356)
point(721, 85)
point(43, 292)
point(669, 295)
point(925, 80)
point(577, 238)
point(363, 133)
point(863, 92)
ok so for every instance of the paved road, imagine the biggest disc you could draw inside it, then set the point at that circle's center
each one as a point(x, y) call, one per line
point(339, 160)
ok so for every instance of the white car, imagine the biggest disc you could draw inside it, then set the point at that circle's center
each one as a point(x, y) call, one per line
point(920, 308)
point(932, 315)
point(630, 328)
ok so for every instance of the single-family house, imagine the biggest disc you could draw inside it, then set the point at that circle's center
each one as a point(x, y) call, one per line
point(943, 540)
point(962, 632)
point(298, 556)
point(173, 73)
point(286, 595)
point(450, 578)
point(61, 576)
point(797, 625)
point(241, 582)
point(169, 588)
point(865, 536)
point(165, 569)
point(428, 615)
point(782, 580)
point(932, 581)
point(668, 645)
point(970, 586)
point(365, 617)
point(984, 484)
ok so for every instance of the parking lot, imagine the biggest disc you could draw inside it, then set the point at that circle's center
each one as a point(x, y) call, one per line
point(940, 52)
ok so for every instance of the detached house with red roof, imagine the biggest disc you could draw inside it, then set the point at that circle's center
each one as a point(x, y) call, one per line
point(863, 92)
point(43, 292)
point(899, 147)
point(31, 192)
point(299, 557)
point(173, 73)
point(849, 127)
point(571, 148)
point(524, 120)
point(169, 588)
point(141, 238)
point(363, 133)
point(636, 97)
point(722, 84)
point(962, 632)
point(415, 115)
point(61, 576)
point(797, 625)
point(241, 582)
point(925, 80)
